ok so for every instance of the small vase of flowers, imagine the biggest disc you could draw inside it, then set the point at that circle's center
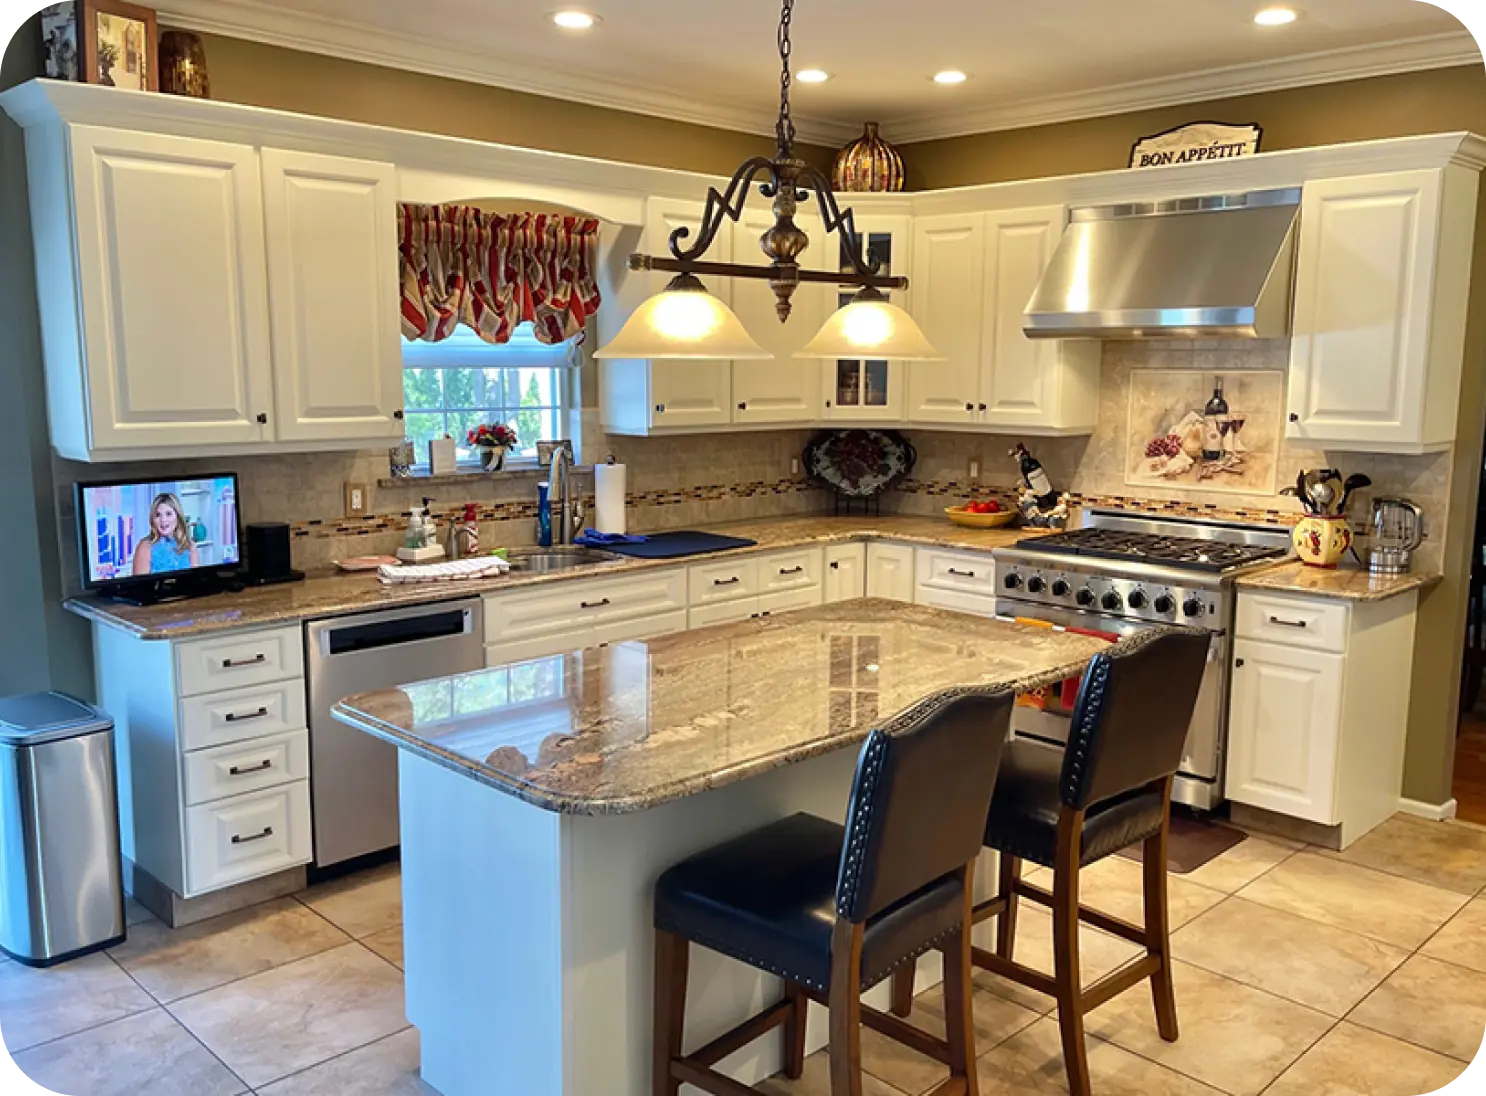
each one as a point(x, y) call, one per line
point(492, 439)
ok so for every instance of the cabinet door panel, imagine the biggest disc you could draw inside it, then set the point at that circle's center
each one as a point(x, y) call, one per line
point(1364, 283)
point(332, 261)
point(890, 571)
point(1020, 375)
point(173, 288)
point(786, 389)
point(869, 390)
point(846, 572)
point(1284, 728)
point(948, 274)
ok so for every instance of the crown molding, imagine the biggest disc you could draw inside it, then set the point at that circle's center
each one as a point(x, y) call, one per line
point(1329, 67)
point(313, 33)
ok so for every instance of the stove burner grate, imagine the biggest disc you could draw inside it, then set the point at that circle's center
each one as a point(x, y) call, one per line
point(1188, 552)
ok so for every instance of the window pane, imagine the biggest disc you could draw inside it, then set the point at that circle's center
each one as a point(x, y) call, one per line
point(848, 382)
point(536, 388)
point(459, 388)
point(421, 388)
point(422, 428)
point(460, 422)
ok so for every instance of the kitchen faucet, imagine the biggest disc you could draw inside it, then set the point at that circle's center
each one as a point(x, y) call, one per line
point(567, 509)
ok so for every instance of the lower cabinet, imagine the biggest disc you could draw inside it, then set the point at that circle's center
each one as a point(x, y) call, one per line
point(565, 616)
point(846, 572)
point(733, 590)
point(890, 571)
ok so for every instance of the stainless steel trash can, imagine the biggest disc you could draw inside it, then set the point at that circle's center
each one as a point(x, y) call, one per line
point(61, 894)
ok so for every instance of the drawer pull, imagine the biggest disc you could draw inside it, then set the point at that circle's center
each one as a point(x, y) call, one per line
point(235, 663)
point(238, 717)
point(791, 570)
point(1287, 623)
point(258, 768)
point(726, 581)
point(962, 574)
point(835, 565)
point(599, 604)
point(239, 839)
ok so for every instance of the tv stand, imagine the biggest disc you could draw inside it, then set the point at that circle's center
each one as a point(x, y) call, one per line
point(155, 589)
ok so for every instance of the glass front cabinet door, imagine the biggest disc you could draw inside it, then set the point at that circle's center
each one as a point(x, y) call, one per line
point(870, 390)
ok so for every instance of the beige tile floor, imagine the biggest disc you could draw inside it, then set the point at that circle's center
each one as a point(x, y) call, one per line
point(1299, 973)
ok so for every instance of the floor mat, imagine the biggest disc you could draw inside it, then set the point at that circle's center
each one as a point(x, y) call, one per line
point(1192, 844)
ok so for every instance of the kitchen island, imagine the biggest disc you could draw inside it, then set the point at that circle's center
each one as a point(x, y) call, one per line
point(540, 800)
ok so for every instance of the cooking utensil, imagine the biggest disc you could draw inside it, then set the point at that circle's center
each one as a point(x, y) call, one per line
point(1323, 488)
point(1398, 530)
point(1355, 482)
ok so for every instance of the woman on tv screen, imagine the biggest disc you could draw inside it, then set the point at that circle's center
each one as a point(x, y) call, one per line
point(168, 546)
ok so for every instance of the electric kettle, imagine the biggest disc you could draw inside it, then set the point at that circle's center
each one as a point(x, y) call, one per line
point(1397, 531)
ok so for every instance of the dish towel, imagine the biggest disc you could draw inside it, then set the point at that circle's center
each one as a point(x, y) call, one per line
point(1035, 698)
point(456, 570)
point(592, 538)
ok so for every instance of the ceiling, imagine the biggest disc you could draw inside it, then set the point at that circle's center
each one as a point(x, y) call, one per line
point(714, 61)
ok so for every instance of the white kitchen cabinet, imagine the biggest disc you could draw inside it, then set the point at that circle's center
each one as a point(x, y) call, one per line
point(947, 280)
point(158, 336)
point(1319, 708)
point(730, 590)
point(890, 571)
point(869, 390)
point(565, 616)
point(1381, 289)
point(331, 226)
point(846, 572)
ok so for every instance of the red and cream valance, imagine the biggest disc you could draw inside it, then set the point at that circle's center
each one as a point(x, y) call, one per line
point(492, 271)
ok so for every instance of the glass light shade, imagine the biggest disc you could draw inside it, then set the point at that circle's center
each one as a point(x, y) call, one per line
point(686, 323)
point(871, 327)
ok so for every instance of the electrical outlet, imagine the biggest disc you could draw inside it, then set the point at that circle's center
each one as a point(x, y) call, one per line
point(356, 500)
point(794, 466)
point(974, 471)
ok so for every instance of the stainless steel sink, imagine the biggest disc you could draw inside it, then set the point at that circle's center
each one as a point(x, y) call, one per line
point(558, 558)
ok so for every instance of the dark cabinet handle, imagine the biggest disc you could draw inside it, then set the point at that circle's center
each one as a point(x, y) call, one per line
point(660, 408)
point(970, 407)
point(794, 570)
point(1294, 417)
point(828, 403)
point(1237, 662)
point(1287, 623)
point(835, 565)
point(397, 414)
point(238, 717)
point(726, 581)
point(743, 406)
point(238, 663)
point(262, 418)
point(599, 604)
point(962, 574)
point(258, 768)
point(982, 407)
point(239, 839)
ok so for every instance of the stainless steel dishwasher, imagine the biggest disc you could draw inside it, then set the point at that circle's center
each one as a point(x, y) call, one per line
point(353, 776)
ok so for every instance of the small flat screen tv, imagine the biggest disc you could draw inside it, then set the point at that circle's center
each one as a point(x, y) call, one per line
point(165, 533)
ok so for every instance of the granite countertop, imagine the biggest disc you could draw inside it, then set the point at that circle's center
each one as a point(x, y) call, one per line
point(1346, 582)
point(332, 593)
point(622, 728)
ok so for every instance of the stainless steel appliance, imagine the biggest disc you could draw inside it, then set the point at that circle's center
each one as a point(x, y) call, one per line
point(1206, 267)
point(61, 893)
point(1121, 572)
point(353, 777)
point(1397, 532)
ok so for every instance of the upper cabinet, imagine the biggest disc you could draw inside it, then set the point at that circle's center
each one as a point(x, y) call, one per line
point(867, 390)
point(973, 275)
point(189, 323)
point(1381, 291)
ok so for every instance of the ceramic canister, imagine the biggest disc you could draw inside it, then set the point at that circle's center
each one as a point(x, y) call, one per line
point(1321, 542)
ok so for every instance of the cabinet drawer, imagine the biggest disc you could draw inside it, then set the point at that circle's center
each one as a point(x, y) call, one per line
point(247, 766)
point(790, 571)
point(725, 581)
point(786, 601)
point(566, 607)
point(1294, 621)
point(970, 574)
point(722, 612)
point(226, 662)
point(956, 601)
point(219, 718)
point(247, 836)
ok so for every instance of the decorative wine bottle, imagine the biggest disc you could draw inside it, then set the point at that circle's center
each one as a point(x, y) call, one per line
point(1035, 477)
point(1214, 415)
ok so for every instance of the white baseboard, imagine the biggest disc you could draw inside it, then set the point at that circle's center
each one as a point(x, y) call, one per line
point(1435, 812)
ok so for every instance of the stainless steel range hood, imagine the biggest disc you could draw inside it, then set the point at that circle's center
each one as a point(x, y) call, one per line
point(1216, 267)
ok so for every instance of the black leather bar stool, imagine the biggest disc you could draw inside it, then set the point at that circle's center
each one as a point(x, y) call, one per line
point(835, 910)
point(1110, 788)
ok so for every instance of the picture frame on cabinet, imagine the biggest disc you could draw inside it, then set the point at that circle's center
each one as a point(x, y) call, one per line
point(59, 41)
point(119, 44)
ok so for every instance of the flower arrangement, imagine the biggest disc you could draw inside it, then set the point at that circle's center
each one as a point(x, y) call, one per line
point(492, 435)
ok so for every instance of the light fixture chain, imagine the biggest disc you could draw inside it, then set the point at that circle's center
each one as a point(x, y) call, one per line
point(784, 131)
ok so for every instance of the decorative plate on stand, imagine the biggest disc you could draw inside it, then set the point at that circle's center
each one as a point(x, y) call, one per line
point(859, 463)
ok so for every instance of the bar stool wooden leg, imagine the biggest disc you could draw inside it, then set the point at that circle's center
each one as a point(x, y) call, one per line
point(959, 1019)
point(794, 1031)
point(902, 993)
point(1065, 952)
point(672, 957)
point(1157, 922)
point(846, 1009)
point(1011, 871)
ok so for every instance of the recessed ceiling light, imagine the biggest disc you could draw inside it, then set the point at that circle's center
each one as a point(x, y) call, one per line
point(1276, 17)
point(812, 76)
point(950, 76)
point(574, 20)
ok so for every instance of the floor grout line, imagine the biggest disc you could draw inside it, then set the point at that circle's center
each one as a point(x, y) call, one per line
point(335, 1057)
point(244, 977)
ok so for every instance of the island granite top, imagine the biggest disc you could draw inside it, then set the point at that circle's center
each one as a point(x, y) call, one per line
point(632, 725)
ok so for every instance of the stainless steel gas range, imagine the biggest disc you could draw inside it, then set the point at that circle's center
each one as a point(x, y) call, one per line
point(1120, 572)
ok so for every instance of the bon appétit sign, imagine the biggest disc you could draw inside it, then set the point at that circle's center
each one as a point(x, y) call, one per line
point(1195, 143)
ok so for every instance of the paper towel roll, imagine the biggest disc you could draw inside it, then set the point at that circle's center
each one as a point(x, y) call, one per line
point(608, 491)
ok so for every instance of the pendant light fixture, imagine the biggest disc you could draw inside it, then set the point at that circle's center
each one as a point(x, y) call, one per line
point(685, 321)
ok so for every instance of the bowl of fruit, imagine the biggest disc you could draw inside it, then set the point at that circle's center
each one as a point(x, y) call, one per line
point(981, 514)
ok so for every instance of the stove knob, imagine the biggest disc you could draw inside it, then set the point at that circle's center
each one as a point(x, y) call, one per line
point(1012, 580)
point(1060, 588)
point(1085, 596)
point(1164, 604)
point(1137, 599)
point(1110, 602)
point(1036, 584)
point(1192, 606)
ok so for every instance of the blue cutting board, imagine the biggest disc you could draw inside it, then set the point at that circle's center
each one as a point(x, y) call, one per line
point(683, 542)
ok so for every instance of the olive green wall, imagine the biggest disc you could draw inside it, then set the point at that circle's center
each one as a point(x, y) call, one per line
point(1441, 100)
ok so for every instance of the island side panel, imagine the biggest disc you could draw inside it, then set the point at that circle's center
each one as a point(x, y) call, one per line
point(482, 930)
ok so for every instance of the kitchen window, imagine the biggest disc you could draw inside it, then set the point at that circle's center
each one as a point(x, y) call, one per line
point(461, 381)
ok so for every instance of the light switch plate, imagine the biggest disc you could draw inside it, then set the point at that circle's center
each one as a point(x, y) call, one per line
point(356, 500)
